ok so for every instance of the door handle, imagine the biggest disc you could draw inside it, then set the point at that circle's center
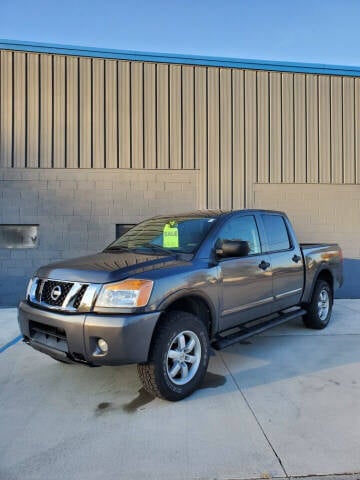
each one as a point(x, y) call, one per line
point(296, 258)
point(264, 265)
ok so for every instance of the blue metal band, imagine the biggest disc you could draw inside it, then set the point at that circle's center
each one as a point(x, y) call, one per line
point(129, 55)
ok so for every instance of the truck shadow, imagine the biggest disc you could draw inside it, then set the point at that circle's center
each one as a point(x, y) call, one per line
point(291, 354)
point(211, 380)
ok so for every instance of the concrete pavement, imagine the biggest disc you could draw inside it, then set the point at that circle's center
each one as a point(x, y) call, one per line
point(9, 329)
point(283, 404)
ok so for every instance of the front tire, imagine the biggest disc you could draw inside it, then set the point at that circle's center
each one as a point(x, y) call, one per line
point(320, 308)
point(178, 358)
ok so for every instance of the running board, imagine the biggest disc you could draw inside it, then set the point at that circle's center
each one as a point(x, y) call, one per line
point(246, 332)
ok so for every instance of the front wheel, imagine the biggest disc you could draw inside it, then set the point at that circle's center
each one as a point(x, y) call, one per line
point(178, 358)
point(319, 309)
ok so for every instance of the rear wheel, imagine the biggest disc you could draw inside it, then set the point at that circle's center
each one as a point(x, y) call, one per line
point(178, 357)
point(320, 308)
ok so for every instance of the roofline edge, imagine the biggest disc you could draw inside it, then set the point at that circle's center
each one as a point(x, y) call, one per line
point(156, 57)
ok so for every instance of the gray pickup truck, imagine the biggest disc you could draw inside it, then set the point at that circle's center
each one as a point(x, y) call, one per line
point(173, 286)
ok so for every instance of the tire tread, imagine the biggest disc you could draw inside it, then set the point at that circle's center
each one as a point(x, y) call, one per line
point(147, 371)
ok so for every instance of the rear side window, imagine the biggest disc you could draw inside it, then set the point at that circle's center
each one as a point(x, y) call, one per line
point(276, 232)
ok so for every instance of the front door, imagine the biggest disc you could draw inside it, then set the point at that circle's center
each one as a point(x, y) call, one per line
point(246, 287)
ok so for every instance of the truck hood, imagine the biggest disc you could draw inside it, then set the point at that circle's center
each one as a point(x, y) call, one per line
point(106, 267)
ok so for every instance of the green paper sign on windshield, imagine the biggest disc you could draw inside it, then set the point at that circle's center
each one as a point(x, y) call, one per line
point(171, 235)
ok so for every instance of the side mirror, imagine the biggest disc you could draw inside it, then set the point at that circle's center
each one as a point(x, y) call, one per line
point(232, 248)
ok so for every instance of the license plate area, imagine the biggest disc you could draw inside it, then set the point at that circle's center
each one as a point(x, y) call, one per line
point(52, 337)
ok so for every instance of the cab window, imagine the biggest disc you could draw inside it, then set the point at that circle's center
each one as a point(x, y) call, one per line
point(242, 228)
point(276, 233)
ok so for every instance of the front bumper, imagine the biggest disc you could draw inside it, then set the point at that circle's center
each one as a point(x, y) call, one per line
point(73, 337)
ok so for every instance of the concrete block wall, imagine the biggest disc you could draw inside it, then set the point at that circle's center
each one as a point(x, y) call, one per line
point(77, 212)
point(321, 213)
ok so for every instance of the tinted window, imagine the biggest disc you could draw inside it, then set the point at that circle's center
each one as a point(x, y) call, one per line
point(178, 233)
point(242, 229)
point(276, 232)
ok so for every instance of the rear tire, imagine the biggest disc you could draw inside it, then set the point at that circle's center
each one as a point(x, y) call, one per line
point(320, 308)
point(178, 357)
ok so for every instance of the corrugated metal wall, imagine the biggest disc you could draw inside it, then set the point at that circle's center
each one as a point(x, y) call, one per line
point(237, 126)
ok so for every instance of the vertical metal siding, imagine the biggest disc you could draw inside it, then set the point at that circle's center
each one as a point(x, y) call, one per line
point(263, 127)
point(188, 117)
point(287, 115)
point(59, 113)
point(348, 129)
point(357, 130)
point(236, 126)
point(98, 114)
point(111, 115)
point(85, 112)
point(214, 170)
point(251, 135)
point(124, 114)
point(336, 131)
point(225, 138)
point(32, 134)
point(137, 115)
point(6, 116)
point(275, 128)
point(175, 117)
point(312, 129)
point(239, 133)
point(72, 112)
point(19, 132)
point(150, 115)
point(201, 159)
point(46, 108)
point(324, 131)
point(163, 116)
point(300, 128)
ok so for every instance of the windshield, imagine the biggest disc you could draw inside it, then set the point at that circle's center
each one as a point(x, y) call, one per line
point(166, 234)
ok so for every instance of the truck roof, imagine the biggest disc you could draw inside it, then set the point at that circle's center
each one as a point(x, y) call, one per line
point(217, 213)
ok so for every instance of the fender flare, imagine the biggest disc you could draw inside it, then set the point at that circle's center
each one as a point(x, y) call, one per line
point(323, 267)
point(183, 293)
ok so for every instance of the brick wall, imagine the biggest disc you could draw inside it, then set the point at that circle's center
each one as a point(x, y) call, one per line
point(321, 213)
point(77, 211)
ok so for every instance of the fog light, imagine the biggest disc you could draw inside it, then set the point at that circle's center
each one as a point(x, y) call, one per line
point(104, 347)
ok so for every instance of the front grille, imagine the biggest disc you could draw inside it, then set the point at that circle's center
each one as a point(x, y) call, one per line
point(79, 296)
point(38, 290)
point(48, 288)
point(53, 337)
point(59, 295)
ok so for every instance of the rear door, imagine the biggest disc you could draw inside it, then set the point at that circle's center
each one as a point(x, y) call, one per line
point(286, 261)
point(246, 288)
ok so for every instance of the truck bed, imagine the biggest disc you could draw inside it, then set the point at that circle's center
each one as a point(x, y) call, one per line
point(316, 245)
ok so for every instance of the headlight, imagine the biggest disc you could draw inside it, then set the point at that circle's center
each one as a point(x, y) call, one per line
point(126, 294)
point(28, 290)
